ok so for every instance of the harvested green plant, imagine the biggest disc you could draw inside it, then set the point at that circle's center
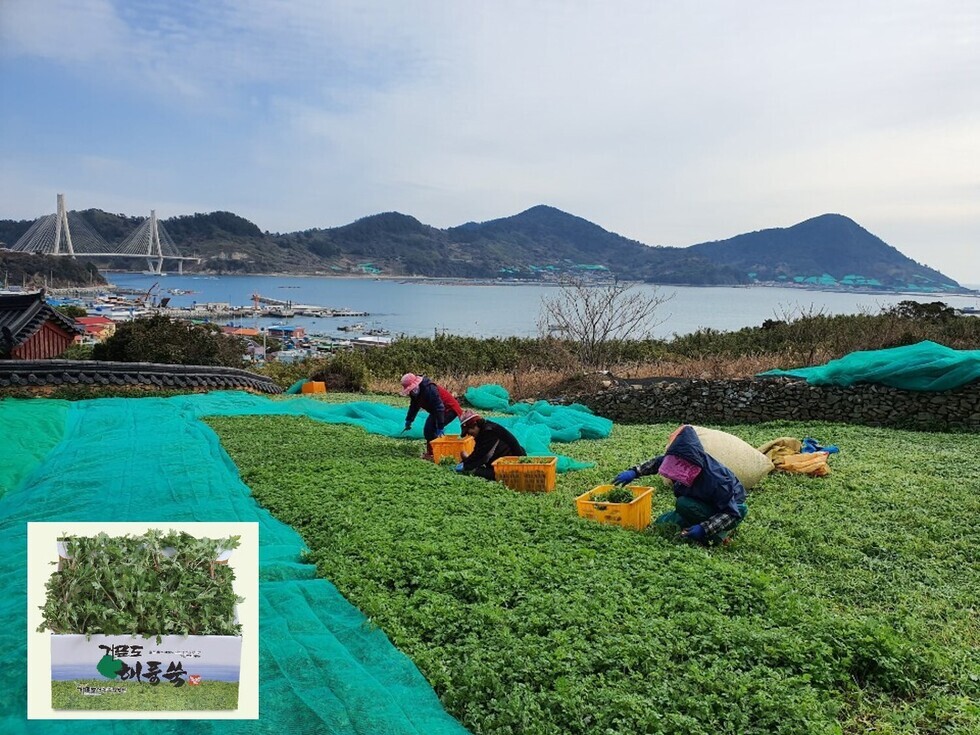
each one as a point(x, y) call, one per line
point(616, 495)
point(152, 584)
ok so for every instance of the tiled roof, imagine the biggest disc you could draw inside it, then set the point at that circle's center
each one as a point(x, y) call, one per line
point(36, 373)
point(22, 315)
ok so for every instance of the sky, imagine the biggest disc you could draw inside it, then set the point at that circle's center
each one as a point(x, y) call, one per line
point(671, 123)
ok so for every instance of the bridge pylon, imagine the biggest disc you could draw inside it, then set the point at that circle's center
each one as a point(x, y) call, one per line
point(61, 228)
point(153, 248)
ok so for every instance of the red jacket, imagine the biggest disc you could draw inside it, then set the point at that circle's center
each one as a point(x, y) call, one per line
point(436, 400)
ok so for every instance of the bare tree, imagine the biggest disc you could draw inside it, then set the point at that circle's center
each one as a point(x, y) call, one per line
point(596, 317)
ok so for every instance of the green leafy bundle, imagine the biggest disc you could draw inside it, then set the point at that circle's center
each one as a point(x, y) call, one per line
point(616, 495)
point(153, 584)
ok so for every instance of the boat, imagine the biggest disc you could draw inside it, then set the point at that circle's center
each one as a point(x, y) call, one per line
point(351, 327)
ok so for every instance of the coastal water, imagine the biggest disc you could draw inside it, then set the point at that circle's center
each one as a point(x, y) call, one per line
point(421, 308)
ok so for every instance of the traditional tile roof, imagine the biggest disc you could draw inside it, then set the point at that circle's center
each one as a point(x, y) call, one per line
point(22, 315)
point(37, 373)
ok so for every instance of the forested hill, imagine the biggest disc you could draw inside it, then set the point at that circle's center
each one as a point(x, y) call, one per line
point(828, 250)
point(26, 270)
point(540, 243)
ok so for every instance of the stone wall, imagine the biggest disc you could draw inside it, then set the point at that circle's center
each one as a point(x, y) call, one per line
point(769, 399)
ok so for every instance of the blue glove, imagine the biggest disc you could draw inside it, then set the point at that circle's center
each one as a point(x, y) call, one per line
point(440, 432)
point(459, 467)
point(696, 532)
point(626, 477)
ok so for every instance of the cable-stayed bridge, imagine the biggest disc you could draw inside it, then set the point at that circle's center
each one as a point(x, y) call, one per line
point(68, 234)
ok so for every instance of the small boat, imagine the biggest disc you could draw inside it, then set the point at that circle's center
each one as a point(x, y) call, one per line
point(351, 327)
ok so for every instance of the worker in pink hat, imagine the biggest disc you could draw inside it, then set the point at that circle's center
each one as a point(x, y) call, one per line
point(438, 402)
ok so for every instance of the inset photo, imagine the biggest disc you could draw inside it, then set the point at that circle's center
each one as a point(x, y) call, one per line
point(136, 620)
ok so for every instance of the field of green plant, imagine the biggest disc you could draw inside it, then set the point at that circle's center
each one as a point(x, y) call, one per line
point(141, 696)
point(846, 604)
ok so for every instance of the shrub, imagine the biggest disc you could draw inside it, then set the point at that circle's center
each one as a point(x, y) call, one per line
point(77, 352)
point(162, 339)
point(284, 374)
point(346, 371)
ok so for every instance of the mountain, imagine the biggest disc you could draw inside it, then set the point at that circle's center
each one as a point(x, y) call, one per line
point(540, 243)
point(829, 250)
point(544, 239)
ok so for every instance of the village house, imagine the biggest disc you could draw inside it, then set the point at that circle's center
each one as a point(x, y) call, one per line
point(31, 329)
point(97, 328)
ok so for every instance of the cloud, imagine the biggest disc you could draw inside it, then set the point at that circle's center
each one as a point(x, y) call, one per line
point(670, 123)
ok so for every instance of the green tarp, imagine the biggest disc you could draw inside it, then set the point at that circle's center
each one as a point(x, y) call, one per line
point(536, 424)
point(323, 668)
point(925, 366)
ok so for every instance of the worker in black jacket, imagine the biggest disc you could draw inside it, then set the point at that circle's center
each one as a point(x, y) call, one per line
point(492, 441)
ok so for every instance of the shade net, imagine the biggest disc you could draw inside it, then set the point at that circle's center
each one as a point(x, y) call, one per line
point(537, 424)
point(926, 366)
point(323, 667)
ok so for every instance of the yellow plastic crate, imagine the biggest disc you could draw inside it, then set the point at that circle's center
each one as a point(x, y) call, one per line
point(313, 386)
point(451, 446)
point(635, 515)
point(529, 474)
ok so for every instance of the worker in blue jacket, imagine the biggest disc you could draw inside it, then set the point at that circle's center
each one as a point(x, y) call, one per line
point(709, 501)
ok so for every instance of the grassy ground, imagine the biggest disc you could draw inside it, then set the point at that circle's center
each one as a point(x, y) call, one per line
point(847, 603)
point(144, 697)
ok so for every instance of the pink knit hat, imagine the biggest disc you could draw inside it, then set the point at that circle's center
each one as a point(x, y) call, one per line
point(467, 417)
point(410, 381)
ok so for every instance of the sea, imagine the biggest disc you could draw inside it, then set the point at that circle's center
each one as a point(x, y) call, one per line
point(427, 307)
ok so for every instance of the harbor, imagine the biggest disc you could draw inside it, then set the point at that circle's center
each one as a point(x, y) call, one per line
point(126, 303)
point(288, 322)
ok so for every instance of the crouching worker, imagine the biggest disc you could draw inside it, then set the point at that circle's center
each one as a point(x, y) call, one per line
point(438, 402)
point(709, 500)
point(491, 442)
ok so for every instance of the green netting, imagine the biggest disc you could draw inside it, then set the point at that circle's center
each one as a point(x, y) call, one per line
point(562, 423)
point(30, 429)
point(323, 668)
point(925, 366)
